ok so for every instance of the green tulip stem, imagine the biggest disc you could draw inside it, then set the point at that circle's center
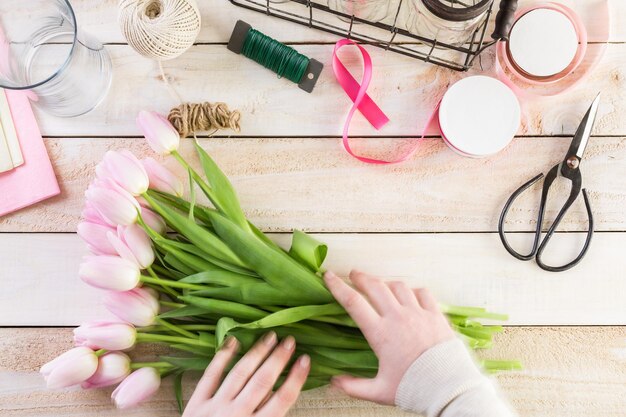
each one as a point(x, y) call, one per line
point(175, 328)
point(167, 289)
point(158, 365)
point(198, 327)
point(100, 352)
point(190, 327)
point(162, 338)
point(206, 189)
point(169, 283)
point(171, 304)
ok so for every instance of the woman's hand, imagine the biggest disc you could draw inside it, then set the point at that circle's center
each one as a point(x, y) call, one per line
point(247, 389)
point(399, 323)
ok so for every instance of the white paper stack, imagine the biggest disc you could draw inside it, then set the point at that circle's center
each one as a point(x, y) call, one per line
point(10, 152)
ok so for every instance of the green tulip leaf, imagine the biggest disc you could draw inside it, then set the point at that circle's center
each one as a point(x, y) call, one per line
point(223, 196)
point(276, 267)
point(192, 197)
point(178, 391)
point(260, 293)
point(224, 325)
point(307, 250)
point(220, 277)
point(187, 311)
point(196, 350)
point(188, 364)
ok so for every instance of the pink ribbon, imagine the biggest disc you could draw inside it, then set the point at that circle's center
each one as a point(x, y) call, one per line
point(361, 101)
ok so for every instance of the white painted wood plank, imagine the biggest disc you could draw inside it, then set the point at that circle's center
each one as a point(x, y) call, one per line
point(572, 371)
point(99, 17)
point(313, 185)
point(405, 89)
point(41, 286)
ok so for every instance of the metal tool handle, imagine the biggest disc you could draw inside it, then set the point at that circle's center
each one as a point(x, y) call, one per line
point(551, 231)
point(505, 211)
point(537, 249)
point(504, 20)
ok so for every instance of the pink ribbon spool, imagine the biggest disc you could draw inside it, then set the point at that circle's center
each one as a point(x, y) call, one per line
point(525, 85)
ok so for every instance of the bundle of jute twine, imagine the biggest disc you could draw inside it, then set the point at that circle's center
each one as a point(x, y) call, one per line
point(162, 30)
point(192, 117)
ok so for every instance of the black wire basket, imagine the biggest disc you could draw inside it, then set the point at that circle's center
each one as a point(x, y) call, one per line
point(390, 32)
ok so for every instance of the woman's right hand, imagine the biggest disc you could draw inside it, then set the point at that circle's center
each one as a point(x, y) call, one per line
point(398, 322)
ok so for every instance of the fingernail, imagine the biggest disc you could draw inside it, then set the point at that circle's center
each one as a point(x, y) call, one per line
point(330, 275)
point(289, 343)
point(304, 361)
point(231, 342)
point(269, 338)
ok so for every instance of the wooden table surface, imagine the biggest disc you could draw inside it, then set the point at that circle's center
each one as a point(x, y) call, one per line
point(430, 221)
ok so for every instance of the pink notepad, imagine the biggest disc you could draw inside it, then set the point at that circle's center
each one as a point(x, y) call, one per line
point(34, 180)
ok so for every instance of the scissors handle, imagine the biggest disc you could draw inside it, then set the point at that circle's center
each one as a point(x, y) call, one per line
point(537, 249)
point(503, 216)
point(550, 232)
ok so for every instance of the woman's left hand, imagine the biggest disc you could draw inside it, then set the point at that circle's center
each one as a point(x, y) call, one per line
point(247, 389)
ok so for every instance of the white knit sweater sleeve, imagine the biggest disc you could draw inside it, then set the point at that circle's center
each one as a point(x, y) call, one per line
point(445, 382)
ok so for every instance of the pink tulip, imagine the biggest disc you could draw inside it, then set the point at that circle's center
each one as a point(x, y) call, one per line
point(142, 201)
point(109, 272)
point(161, 178)
point(95, 236)
point(91, 215)
point(71, 368)
point(139, 306)
point(125, 170)
point(161, 135)
point(114, 204)
point(137, 388)
point(113, 367)
point(133, 244)
point(153, 220)
point(105, 335)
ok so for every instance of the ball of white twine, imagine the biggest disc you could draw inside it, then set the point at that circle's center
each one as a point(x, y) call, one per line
point(159, 29)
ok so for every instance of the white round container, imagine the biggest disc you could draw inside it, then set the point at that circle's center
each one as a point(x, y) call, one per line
point(479, 116)
point(543, 43)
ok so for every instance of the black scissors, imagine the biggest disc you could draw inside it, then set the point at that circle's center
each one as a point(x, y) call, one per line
point(569, 168)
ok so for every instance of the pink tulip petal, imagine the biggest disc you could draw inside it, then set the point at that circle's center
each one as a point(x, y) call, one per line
point(122, 249)
point(153, 220)
point(138, 306)
point(91, 215)
point(71, 368)
point(113, 368)
point(109, 272)
point(140, 244)
point(105, 335)
point(137, 388)
point(112, 202)
point(125, 170)
point(158, 131)
point(95, 235)
point(162, 179)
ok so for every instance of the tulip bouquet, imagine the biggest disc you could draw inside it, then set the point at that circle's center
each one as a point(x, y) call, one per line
point(187, 275)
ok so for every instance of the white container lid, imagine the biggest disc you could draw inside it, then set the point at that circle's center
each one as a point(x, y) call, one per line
point(543, 42)
point(479, 116)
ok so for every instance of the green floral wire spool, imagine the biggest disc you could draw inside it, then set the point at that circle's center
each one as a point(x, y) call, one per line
point(281, 59)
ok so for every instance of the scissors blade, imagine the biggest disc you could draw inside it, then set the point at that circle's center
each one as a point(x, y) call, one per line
point(581, 138)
